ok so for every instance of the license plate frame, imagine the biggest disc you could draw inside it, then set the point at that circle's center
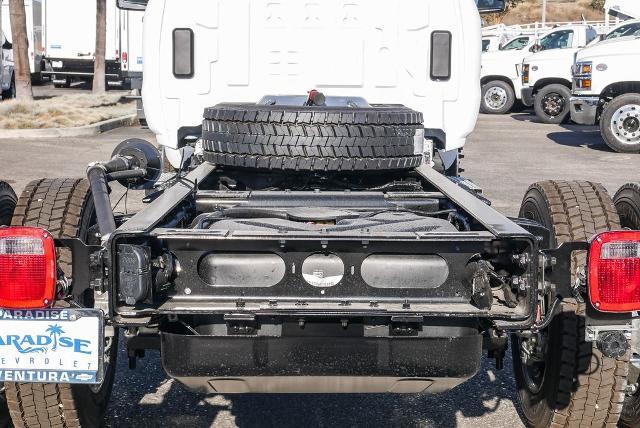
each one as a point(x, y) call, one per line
point(37, 357)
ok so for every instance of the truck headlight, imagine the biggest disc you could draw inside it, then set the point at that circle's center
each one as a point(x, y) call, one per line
point(584, 68)
point(582, 74)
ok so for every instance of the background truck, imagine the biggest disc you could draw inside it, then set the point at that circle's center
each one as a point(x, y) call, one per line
point(606, 90)
point(549, 74)
point(70, 41)
point(546, 75)
point(7, 71)
point(36, 30)
point(305, 243)
point(500, 75)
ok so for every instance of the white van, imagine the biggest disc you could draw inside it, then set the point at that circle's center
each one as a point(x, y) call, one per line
point(71, 42)
point(7, 81)
point(35, 33)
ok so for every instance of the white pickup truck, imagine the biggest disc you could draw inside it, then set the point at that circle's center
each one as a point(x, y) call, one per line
point(606, 90)
point(546, 75)
point(500, 75)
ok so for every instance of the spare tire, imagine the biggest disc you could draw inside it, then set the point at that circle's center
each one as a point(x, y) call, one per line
point(313, 138)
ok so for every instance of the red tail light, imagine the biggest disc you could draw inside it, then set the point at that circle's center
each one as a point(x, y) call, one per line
point(27, 268)
point(614, 272)
point(125, 57)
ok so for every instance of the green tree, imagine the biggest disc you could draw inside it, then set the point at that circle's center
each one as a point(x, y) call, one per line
point(597, 4)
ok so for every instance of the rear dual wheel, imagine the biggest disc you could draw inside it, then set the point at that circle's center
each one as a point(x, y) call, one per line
point(627, 202)
point(563, 380)
point(65, 208)
point(7, 205)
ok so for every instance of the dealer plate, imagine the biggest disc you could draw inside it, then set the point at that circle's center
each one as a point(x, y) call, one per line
point(51, 345)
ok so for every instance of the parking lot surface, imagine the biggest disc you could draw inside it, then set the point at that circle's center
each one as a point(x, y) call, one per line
point(504, 155)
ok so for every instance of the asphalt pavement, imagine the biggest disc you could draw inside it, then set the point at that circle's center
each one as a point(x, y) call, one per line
point(504, 155)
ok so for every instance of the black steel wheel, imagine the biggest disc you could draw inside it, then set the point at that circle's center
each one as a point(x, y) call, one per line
point(312, 138)
point(11, 92)
point(552, 104)
point(563, 380)
point(65, 208)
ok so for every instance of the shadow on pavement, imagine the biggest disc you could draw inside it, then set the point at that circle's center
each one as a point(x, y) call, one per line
point(144, 397)
point(579, 136)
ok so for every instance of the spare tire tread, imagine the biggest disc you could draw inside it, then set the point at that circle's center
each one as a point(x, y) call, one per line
point(308, 146)
point(312, 163)
point(376, 115)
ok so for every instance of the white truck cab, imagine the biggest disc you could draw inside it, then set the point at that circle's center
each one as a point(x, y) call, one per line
point(500, 75)
point(546, 74)
point(7, 77)
point(606, 90)
point(419, 53)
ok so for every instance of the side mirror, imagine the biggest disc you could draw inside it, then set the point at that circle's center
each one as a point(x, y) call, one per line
point(535, 48)
point(491, 6)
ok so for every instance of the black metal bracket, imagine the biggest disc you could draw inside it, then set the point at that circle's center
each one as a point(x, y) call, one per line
point(557, 267)
point(86, 267)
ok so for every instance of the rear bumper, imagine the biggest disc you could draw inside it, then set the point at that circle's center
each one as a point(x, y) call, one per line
point(322, 364)
point(81, 68)
point(527, 96)
point(584, 110)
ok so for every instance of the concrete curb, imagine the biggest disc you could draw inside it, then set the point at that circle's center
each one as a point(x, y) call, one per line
point(80, 131)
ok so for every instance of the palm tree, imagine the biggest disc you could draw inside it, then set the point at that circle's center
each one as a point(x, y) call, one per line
point(20, 50)
point(101, 42)
point(54, 331)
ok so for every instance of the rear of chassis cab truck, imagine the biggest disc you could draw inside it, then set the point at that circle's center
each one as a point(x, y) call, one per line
point(339, 261)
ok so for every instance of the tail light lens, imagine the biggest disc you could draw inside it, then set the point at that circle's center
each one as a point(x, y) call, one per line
point(27, 268)
point(614, 271)
point(125, 57)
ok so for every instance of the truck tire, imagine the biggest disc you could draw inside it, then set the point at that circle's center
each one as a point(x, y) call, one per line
point(65, 208)
point(551, 104)
point(8, 201)
point(312, 138)
point(11, 92)
point(570, 383)
point(498, 97)
point(620, 124)
point(627, 202)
